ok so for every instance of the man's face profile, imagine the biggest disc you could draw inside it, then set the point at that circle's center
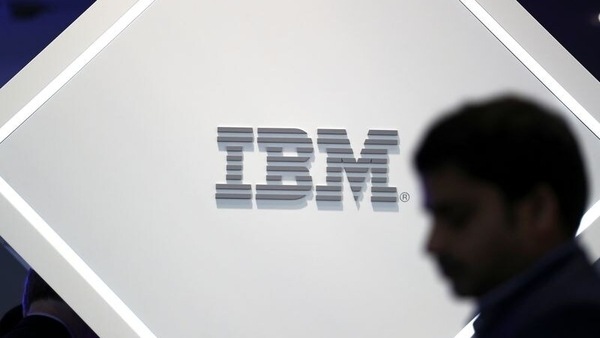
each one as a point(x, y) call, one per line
point(472, 237)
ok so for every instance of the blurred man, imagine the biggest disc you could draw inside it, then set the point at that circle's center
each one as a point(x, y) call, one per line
point(46, 315)
point(505, 184)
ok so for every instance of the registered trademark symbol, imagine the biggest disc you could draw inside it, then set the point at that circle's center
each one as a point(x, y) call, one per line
point(404, 197)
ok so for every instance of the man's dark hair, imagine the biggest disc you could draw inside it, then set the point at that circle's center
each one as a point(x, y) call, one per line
point(514, 144)
point(36, 289)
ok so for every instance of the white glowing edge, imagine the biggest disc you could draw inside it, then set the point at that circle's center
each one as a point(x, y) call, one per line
point(538, 71)
point(559, 91)
point(27, 211)
point(467, 331)
point(589, 217)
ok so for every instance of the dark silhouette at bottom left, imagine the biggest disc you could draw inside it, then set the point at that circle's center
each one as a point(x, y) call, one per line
point(43, 313)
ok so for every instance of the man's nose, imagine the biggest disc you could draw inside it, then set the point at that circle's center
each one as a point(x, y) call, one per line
point(436, 240)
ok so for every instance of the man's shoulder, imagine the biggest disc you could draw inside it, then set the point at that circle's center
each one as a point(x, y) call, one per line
point(565, 302)
point(559, 298)
point(570, 284)
point(577, 320)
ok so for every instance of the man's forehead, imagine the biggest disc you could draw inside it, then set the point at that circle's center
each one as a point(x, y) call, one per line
point(447, 178)
point(450, 186)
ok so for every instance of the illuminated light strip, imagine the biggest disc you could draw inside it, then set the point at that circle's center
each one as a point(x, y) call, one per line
point(559, 91)
point(74, 260)
point(468, 330)
point(589, 217)
point(528, 61)
point(70, 256)
point(67, 74)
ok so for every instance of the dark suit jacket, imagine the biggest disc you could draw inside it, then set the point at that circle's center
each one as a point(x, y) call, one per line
point(39, 327)
point(558, 298)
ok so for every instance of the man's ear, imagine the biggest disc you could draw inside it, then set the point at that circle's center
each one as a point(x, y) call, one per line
point(539, 218)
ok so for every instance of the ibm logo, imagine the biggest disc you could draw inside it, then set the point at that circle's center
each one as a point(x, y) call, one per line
point(289, 153)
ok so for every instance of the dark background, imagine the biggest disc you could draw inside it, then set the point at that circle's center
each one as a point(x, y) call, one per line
point(573, 23)
point(28, 26)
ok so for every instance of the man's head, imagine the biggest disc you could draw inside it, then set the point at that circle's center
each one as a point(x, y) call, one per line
point(505, 183)
point(36, 289)
point(40, 299)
